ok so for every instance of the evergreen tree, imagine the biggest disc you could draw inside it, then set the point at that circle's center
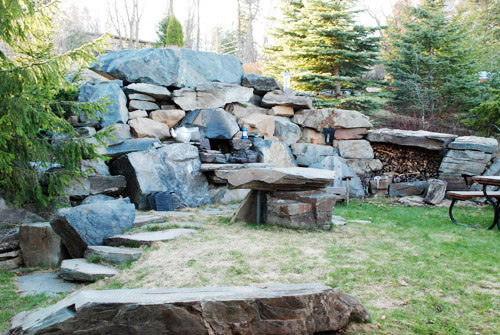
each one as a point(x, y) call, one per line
point(320, 43)
point(433, 73)
point(169, 32)
point(175, 36)
point(34, 166)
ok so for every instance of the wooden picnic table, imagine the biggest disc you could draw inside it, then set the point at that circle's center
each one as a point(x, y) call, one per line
point(492, 197)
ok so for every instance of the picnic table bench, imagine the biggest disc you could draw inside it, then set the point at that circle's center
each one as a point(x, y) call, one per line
point(492, 197)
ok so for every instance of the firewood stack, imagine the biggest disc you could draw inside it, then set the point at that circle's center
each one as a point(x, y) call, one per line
point(407, 163)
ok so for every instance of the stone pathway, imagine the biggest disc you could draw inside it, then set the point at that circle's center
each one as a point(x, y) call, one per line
point(113, 254)
point(47, 283)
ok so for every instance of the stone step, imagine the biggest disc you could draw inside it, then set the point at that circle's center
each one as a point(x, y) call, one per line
point(79, 269)
point(113, 254)
point(47, 283)
point(148, 238)
point(168, 225)
point(142, 220)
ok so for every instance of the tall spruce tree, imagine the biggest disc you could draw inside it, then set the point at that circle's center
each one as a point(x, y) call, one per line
point(432, 70)
point(169, 32)
point(40, 152)
point(320, 43)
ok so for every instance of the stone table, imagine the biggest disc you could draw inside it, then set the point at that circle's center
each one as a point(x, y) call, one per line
point(290, 197)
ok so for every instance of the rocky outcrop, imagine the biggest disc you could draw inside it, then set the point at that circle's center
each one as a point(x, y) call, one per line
point(117, 111)
point(422, 139)
point(282, 309)
point(91, 224)
point(260, 84)
point(173, 168)
point(211, 95)
point(170, 67)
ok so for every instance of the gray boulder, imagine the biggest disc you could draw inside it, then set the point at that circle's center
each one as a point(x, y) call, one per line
point(331, 117)
point(134, 105)
point(113, 254)
point(111, 185)
point(276, 153)
point(407, 189)
point(91, 224)
point(260, 84)
point(475, 143)
point(9, 239)
point(364, 166)
point(464, 162)
point(15, 215)
point(96, 198)
point(80, 270)
point(170, 67)
point(308, 154)
point(357, 149)
point(436, 190)
point(211, 95)
point(219, 124)
point(286, 131)
point(117, 111)
point(276, 98)
point(118, 133)
point(173, 168)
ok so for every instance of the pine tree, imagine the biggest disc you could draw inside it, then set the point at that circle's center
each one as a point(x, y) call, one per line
point(34, 167)
point(433, 73)
point(320, 43)
point(175, 36)
point(169, 32)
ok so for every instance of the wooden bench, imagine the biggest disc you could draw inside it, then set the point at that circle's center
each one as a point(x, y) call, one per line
point(467, 195)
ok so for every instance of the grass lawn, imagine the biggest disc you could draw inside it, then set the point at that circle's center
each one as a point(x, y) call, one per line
point(415, 271)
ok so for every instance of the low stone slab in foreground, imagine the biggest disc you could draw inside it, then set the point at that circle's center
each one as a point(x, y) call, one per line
point(148, 238)
point(79, 269)
point(274, 309)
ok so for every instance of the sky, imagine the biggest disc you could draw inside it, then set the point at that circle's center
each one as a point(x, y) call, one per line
point(212, 13)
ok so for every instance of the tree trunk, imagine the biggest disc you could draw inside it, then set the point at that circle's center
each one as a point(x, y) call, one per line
point(338, 88)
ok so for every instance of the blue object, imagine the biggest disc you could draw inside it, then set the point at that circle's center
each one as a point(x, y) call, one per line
point(244, 131)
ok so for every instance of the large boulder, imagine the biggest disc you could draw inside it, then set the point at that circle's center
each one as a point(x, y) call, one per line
point(421, 138)
point(134, 105)
point(364, 166)
point(257, 123)
point(118, 133)
point(243, 110)
point(9, 239)
point(407, 189)
point(286, 131)
point(273, 152)
point(218, 123)
point(211, 95)
point(464, 162)
point(15, 215)
point(308, 154)
point(280, 309)
point(173, 168)
point(91, 224)
point(331, 117)
point(260, 84)
point(143, 127)
point(117, 111)
point(483, 144)
point(357, 149)
point(169, 117)
point(170, 67)
point(40, 245)
point(277, 98)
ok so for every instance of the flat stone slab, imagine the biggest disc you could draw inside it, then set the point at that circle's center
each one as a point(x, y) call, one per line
point(278, 179)
point(421, 138)
point(47, 283)
point(272, 310)
point(214, 167)
point(148, 238)
point(113, 254)
point(79, 269)
point(484, 144)
point(142, 220)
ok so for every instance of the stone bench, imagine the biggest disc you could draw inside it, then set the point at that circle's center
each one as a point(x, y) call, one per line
point(273, 310)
